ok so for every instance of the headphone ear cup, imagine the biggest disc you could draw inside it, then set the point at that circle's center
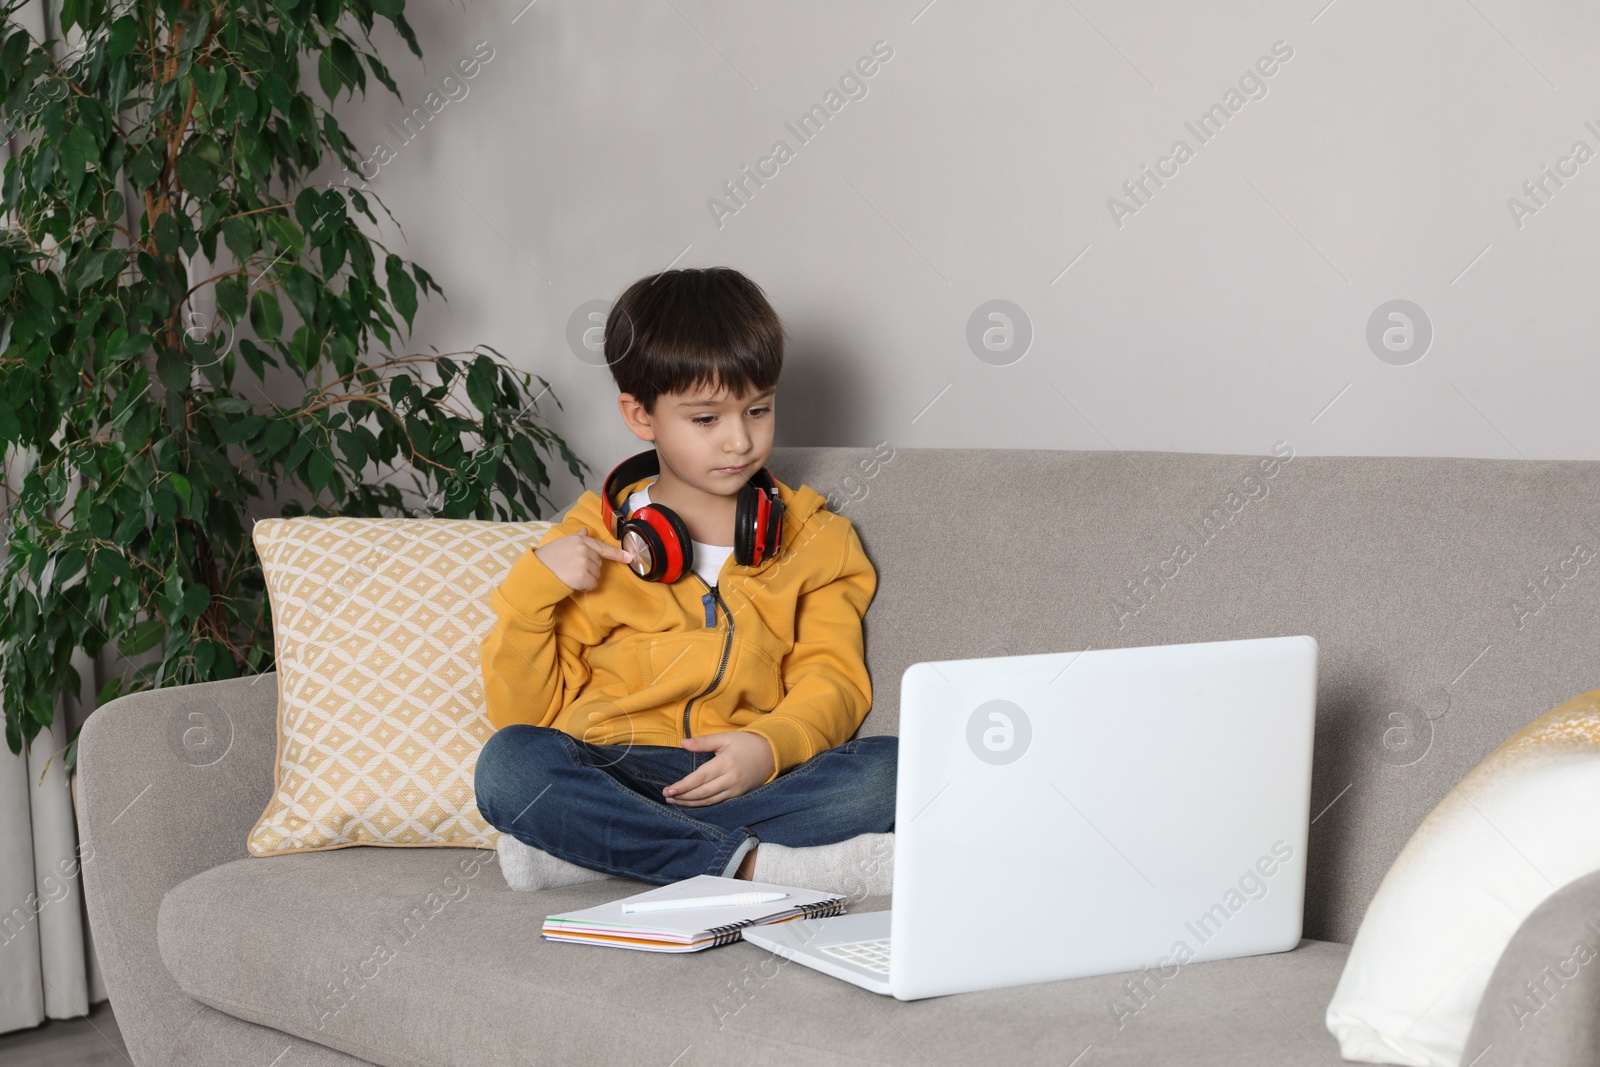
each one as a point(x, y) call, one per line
point(758, 522)
point(774, 527)
point(643, 532)
point(679, 532)
point(744, 525)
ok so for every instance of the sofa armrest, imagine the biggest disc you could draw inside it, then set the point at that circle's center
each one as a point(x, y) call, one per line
point(169, 784)
point(1542, 1003)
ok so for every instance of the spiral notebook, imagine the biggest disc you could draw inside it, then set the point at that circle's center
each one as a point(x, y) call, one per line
point(688, 930)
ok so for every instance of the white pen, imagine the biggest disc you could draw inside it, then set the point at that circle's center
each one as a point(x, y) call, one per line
point(684, 903)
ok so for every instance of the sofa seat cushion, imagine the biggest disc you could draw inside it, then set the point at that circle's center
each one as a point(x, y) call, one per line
point(419, 957)
point(209, 1037)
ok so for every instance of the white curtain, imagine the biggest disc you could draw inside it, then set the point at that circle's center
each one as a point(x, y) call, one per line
point(47, 963)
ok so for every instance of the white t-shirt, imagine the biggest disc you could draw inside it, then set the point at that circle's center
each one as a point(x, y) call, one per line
point(708, 559)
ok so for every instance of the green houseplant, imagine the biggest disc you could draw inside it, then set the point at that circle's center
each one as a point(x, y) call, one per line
point(136, 430)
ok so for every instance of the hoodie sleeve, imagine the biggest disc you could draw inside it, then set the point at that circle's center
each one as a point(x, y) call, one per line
point(533, 658)
point(828, 691)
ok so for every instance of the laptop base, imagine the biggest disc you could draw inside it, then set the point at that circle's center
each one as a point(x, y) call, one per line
point(805, 941)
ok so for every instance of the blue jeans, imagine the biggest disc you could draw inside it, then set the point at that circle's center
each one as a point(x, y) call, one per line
point(601, 806)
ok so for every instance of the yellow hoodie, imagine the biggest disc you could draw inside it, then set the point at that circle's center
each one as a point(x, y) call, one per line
point(775, 649)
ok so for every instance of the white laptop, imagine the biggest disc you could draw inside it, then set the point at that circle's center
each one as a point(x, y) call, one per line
point(1081, 813)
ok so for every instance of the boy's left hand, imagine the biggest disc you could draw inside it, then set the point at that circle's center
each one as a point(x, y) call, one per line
point(743, 761)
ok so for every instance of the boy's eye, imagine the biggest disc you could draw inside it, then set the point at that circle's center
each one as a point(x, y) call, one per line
point(707, 420)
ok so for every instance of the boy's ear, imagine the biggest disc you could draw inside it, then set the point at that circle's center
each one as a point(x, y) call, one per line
point(635, 417)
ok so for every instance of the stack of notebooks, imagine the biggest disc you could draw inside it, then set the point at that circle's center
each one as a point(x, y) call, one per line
point(678, 928)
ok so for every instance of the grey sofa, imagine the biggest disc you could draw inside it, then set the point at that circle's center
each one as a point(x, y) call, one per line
point(1441, 591)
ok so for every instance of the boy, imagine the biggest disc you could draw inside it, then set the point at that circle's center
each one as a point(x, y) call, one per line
point(670, 704)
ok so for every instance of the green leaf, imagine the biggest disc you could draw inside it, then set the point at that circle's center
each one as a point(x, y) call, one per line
point(100, 576)
point(224, 668)
point(69, 564)
point(138, 385)
point(42, 288)
point(389, 9)
point(344, 58)
point(197, 176)
point(297, 455)
point(328, 74)
point(355, 453)
point(234, 431)
point(122, 37)
point(173, 370)
point(180, 485)
point(205, 654)
point(302, 289)
point(142, 637)
point(166, 233)
point(277, 91)
point(130, 527)
point(304, 348)
point(286, 236)
point(425, 280)
point(196, 599)
point(240, 237)
point(480, 385)
point(146, 165)
point(307, 208)
point(529, 465)
point(16, 47)
point(102, 520)
point(232, 300)
point(257, 357)
point(115, 563)
point(129, 347)
point(319, 470)
point(277, 436)
point(333, 255)
point(381, 72)
point(402, 290)
point(266, 317)
point(215, 86)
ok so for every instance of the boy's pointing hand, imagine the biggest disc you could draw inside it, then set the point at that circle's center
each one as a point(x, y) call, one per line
point(742, 762)
point(575, 559)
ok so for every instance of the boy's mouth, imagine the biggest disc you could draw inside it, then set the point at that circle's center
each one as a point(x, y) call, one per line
point(740, 469)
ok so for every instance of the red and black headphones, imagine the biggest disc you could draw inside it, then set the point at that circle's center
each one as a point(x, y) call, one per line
point(659, 540)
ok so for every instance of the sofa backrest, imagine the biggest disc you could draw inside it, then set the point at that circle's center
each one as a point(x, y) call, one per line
point(1453, 600)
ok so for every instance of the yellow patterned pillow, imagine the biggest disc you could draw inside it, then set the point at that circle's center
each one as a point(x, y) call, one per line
point(377, 625)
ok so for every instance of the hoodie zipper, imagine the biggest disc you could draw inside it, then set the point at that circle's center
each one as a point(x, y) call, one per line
point(709, 601)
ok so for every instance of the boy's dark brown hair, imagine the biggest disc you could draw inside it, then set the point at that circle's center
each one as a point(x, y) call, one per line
point(702, 326)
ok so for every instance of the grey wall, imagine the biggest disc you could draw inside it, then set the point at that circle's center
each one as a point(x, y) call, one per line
point(1224, 311)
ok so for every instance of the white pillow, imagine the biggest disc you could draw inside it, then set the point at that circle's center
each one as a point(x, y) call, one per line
point(1520, 826)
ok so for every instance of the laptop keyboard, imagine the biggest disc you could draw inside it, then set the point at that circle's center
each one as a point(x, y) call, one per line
point(869, 955)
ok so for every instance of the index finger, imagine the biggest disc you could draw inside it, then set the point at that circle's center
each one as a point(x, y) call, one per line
point(611, 553)
point(695, 778)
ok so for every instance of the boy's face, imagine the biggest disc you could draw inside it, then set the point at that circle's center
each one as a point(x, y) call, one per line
point(706, 437)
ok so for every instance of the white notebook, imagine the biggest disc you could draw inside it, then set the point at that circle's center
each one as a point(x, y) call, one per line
point(688, 930)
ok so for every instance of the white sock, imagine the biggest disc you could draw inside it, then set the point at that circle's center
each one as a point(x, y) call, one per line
point(526, 867)
point(860, 867)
